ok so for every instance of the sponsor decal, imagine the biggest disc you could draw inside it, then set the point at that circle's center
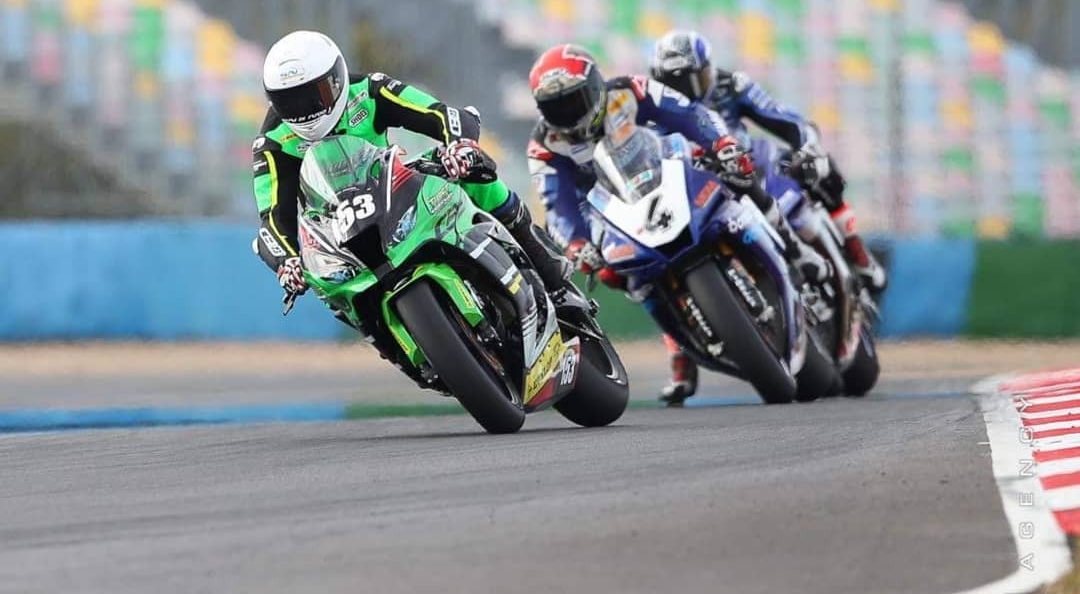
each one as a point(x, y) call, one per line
point(377, 76)
point(453, 117)
point(619, 252)
point(706, 193)
point(303, 147)
point(337, 168)
point(291, 71)
point(642, 178)
point(569, 366)
point(544, 367)
point(439, 200)
point(393, 84)
point(358, 117)
point(271, 244)
point(699, 317)
point(258, 144)
point(356, 100)
point(515, 285)
point(259, 166)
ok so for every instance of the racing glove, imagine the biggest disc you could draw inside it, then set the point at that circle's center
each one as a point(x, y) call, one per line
point(290, 276)
point(584, 256)
point(732, 162)
point(809, 165)
point(459, 157)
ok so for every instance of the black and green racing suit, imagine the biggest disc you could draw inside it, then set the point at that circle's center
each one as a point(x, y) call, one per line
point(376, 103)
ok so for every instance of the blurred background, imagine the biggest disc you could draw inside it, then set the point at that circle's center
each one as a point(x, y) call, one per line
point(957, 124)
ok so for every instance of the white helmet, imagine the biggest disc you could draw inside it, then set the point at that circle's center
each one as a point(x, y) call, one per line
point(307, 83)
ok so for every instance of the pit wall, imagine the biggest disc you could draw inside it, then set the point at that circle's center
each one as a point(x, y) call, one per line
point(177, 281)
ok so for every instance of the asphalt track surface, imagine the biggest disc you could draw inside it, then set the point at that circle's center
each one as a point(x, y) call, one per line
point(892, 493)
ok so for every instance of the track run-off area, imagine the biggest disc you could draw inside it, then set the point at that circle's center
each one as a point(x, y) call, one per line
point(899, 492)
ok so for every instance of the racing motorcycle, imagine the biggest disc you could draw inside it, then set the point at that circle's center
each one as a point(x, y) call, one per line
point(841, 310)
point(707, 263)
point(443, 291)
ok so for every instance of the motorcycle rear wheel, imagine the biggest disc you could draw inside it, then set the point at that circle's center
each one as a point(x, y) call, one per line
point(863, 373)
point(457, 357)
point(602, 390)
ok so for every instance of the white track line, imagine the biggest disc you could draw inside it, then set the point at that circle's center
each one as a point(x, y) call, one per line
point(1042, 553)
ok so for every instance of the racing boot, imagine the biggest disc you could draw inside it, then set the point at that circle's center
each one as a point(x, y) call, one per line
point(865, 264)
point(814, 267)
point(554, 270)
point(684, 376)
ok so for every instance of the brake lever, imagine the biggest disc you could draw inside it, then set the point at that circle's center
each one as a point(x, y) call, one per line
point(289, 300)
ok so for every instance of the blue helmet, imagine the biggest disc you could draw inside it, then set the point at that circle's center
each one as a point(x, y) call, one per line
point(681, 60)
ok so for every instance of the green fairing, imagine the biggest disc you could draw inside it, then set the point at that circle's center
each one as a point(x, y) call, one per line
point(451, 283)
point(443, 213)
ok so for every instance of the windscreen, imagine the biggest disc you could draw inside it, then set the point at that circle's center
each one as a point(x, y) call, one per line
point(336, 164)
point(628, 165)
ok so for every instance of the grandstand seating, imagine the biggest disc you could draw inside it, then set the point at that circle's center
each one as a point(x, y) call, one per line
point(941, 125)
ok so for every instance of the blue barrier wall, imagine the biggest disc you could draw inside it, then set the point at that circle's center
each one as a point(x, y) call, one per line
point(143, 279)
point(199, 280)
point(929, 287)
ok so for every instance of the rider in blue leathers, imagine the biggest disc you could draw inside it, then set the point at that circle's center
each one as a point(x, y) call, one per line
point(681, 60)
point(578, 106)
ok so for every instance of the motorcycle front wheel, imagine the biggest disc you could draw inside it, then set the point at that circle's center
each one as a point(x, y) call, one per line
point(459, 359)
point(742, 342)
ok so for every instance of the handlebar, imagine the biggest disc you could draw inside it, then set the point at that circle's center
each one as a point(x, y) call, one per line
point(427, 167)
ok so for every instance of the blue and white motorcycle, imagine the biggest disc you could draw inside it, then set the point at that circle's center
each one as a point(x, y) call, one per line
point(706, 263)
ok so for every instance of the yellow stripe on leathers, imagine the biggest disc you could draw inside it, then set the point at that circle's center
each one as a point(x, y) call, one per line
point(392, 97)
point(273, 202)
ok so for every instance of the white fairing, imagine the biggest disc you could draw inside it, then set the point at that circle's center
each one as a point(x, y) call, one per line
point(659, 217)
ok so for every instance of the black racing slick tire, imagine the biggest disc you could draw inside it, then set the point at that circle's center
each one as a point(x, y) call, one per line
point(742, 342)
point(863, 373)
point(602, 391)
point(446, 342)
point(818, 375)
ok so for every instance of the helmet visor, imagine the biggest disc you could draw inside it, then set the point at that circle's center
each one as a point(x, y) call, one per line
point(313, 99)
point(693, 83)
point(573, 109)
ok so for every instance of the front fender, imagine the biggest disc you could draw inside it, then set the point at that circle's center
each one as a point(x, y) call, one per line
point(451, 284)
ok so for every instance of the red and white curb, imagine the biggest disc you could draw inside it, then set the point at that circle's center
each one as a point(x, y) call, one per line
point(1033, 425)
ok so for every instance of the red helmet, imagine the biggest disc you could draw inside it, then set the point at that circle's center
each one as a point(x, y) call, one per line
point(569, 90)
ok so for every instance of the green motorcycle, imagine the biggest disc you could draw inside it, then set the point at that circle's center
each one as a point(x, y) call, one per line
point(444, 292)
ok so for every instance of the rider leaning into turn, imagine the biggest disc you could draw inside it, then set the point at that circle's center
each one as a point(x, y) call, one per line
point(682, 60)
point(312, 95)
point(577, 108)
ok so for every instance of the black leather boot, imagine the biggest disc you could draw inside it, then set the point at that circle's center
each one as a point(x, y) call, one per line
point(554, 269)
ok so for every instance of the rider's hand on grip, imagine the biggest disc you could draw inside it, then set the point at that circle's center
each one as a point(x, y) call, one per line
point(732, 162)
point(584, 256)
point(291, 276)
